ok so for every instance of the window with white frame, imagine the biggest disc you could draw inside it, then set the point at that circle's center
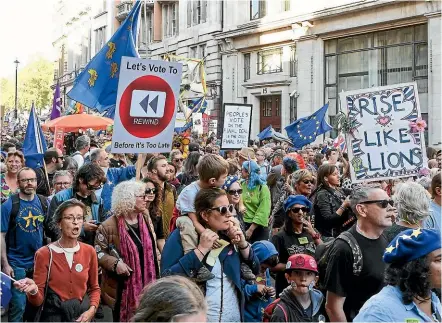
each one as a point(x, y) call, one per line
point(202, 51)
point(270, 61)
point(196, 12)
point(170, 19)
point(246, 66)
point(257, 9)
point(193, 52)
point(100, 38)
point(377, 59)
point(285, 5)
point(146, 29)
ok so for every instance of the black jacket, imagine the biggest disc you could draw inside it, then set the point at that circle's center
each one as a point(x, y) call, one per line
point(294, 310)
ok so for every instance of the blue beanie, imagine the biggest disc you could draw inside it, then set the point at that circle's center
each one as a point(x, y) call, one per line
point(296, 199)
point(412, 244)
point(229, 181)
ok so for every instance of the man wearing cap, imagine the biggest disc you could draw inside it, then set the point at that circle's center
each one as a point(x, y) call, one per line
point(300, 302)
point(53, 158)
point(414, 269)
point(347, 290)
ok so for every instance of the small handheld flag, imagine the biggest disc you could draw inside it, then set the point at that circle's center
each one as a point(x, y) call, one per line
point(5, 288)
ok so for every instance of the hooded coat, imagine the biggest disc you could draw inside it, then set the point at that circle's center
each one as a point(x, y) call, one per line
point(255, 305)
point(294, 309)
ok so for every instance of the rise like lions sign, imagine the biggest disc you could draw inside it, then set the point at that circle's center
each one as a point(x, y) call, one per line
point(384, 141)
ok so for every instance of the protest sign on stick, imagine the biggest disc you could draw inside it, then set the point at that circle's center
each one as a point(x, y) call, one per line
point(236, 128)
point(385, 137)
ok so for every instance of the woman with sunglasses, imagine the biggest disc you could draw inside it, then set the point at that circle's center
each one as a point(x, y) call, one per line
point(331, 207)
point(73, 272)
point(297, 236)
point(8, 181)
point(154, 210)
point(127, 251)
point(223, 293)
point(234, 191)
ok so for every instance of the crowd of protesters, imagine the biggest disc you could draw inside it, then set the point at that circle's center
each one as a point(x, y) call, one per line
point(266, 233)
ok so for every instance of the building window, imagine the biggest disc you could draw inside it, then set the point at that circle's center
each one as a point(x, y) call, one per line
point(293, 108)
point(170, 19)
point(192, 52)
point(196, 12)
point(376, 59)
point(267, 106)
point(270, 61)
point(277, 107)
point(202, 51)
point(257, 9)
point(246, 66)
point(293, 61)
point(285, 5)
point(100, 38)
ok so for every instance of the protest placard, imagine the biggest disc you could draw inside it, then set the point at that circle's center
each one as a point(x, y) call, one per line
point(213, 127)
point(197, 126)
point(147, 98)
point(236, 128)
point(386, 139)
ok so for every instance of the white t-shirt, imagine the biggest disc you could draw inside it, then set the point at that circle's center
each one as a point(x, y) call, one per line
point(79, 159)
point(231, 302)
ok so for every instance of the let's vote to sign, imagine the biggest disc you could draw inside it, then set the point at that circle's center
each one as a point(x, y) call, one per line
point(236, 128)
point(147, 98)
point(381, 144)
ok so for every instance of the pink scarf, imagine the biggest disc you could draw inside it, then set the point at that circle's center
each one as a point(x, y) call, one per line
point(129, 252)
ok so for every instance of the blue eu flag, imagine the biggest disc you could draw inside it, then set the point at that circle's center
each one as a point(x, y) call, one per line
point(266, 133)
point(5, 288)
point(96, 86)
point(34, 145)
point(305, 130)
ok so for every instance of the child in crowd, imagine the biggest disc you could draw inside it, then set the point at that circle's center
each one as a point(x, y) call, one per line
point(259, 292)
point(212, 172)
point(300, 302)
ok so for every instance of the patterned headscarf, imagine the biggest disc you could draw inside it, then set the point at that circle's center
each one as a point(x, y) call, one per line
point(229, 181)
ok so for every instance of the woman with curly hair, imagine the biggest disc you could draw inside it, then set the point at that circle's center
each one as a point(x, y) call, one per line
point(256, 198)
point(414, 269)
point(154, 210)
point(127, 251)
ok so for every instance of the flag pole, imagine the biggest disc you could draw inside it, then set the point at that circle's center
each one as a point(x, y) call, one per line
point(46, 176)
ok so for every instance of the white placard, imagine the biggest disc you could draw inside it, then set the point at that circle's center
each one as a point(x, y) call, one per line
point(180, 120)
point(382, 145)
point(213, 127)
point(197, 123)
point(147, 97)
point(236, 128)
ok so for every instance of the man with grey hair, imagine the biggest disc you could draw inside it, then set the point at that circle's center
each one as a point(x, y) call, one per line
point(114, 176)
point(82, 145)
point(347, 289)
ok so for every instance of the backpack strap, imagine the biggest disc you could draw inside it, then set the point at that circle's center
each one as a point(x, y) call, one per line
point(356, 250)
point(283, 310)
point(44, 203)
point(12, 220)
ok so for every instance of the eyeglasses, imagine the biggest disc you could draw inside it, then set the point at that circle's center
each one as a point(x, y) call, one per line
point(71, 218)
point(382, 203)
point(297, 209)
point(28, 180)
point(223, 209)
point(60, 157)
point(178, 160)
point(63, 183)
point(93, 188)
point(235, 192)
point(150, 191)
point(306, 181)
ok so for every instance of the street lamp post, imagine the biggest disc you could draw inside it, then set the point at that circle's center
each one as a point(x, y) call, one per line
point(16, 85)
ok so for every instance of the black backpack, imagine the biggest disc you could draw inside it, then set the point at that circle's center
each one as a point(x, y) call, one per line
point(12, 229)
point(322, 256)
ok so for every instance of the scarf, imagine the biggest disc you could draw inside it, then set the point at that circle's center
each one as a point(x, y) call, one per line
point(129, 252)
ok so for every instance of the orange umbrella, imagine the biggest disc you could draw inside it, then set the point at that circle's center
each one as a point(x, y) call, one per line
point(75, 122)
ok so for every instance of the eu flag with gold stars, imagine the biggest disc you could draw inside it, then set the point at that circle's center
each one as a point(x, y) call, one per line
point(305, 130)
point(96, 86)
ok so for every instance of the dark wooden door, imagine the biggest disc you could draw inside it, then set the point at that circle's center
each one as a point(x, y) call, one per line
point(270, 112)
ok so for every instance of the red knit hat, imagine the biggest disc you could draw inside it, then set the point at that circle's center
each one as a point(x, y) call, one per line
point(301, 262)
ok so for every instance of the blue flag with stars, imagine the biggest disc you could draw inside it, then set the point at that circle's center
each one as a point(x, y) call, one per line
point(305, 130)
point(96, 86)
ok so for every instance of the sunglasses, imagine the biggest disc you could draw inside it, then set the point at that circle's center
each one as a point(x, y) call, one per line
point(223, 209)
point(150, 191)
point(94, 188)
point(297, 209)
point(235, 192)
point(382, 203)
point(308, 181)
point(178, 160)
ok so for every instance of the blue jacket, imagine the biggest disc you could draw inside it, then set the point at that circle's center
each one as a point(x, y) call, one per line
point(175, 262)
point(60, 197)
point(114, 176)
point(256, 305)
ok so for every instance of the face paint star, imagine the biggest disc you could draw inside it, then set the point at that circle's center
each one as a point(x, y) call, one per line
point(416, 233)
point(389, 249)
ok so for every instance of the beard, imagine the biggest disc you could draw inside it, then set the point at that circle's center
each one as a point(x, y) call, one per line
point(163, 178)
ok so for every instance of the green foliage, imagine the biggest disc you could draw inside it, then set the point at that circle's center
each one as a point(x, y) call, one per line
point(34, 84)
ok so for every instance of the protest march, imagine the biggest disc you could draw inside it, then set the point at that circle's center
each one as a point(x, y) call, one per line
point(137, 204)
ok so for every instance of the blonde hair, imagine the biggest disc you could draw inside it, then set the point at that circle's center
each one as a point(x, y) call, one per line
point(123, 197)
point(211, 166)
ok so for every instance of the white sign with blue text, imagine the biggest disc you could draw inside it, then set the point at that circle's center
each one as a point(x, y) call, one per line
point(386, 139)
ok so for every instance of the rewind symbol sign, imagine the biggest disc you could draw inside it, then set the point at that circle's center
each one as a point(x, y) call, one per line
point(147, 104)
